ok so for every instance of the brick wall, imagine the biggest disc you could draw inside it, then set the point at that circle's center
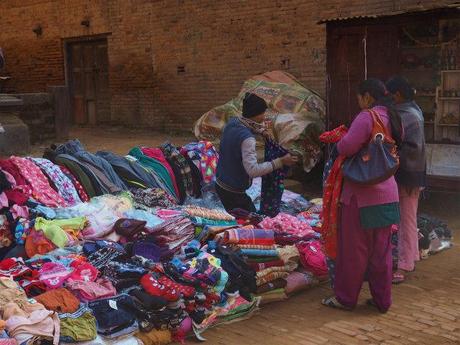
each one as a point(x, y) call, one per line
point(218, 44)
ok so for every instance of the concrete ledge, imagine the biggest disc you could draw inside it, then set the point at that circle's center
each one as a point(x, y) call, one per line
point(14, 140)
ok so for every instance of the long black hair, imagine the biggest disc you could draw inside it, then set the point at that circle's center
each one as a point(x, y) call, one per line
point(382, 97)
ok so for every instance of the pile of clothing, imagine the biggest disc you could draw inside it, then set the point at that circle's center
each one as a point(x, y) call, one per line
point(434, 236)
point(104, 249)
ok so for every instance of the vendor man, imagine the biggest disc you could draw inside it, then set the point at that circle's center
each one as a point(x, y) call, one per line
point(238, 164)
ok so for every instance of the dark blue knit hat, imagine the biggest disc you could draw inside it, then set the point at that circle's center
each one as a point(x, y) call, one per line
point(253, 105)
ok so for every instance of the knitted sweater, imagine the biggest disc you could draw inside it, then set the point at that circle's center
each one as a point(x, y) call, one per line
point(358, 137)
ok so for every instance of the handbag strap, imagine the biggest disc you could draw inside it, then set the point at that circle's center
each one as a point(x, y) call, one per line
point(379, 128)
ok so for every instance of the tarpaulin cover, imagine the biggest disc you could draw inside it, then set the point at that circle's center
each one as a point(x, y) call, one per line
point(296, 115)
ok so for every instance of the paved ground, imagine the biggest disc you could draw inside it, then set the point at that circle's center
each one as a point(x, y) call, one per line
point(426, 308)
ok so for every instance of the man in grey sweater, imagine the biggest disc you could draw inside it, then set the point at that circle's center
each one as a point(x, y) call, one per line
point(238, 164)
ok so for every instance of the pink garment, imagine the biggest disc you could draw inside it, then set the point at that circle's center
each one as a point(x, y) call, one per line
point(90, 291)
point(36, 322)
point(20, 211)
point(10, 178)
point(312, 257)
point(168, 214)
point(157, 154)
point(4, 200)
point(84, 271)
point(288, 224)
point(54, 274)
point(41, 189)
point(357, 137)
point(408, 251)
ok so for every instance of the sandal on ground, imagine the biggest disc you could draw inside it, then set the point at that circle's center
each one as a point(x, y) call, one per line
point(370, 302)
point(398, 278)
point(333, 303)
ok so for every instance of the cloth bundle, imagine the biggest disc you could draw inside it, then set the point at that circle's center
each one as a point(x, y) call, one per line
point(173, 233)
point(312, 257)
point(285, 223)
point(212, 214)
point(249, 236)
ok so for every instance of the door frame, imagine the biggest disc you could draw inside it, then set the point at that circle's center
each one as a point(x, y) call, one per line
point(66, 44)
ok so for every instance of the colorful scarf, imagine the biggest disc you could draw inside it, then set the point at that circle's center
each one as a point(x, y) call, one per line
point(273, 183)
point(331, 195)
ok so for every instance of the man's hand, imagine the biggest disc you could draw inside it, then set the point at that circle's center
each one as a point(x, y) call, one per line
point(289, 160)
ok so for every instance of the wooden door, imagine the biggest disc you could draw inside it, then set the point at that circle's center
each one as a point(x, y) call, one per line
point(350, 51)
point(345, 68)
point(89, 83)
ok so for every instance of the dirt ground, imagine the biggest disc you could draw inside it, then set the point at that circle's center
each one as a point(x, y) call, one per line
point(426, 309)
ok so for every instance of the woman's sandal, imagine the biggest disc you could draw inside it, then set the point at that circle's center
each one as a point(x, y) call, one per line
point(333, 303)
point(370, 302)
point(398, 278)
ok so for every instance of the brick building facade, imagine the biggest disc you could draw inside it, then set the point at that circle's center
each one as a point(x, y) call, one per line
point(169, 61)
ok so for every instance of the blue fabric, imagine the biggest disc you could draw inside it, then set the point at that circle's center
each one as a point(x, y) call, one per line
point(259, 252)
point(130, 171)
point(150, 218)
point(230, 169)
point(273, 183)
point(76, 149)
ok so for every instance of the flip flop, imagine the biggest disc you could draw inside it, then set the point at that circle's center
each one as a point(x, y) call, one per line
point(398, 278)
point(332, 302)
point(370, 302)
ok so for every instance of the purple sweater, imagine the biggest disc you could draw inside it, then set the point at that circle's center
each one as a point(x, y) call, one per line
point(356, 138)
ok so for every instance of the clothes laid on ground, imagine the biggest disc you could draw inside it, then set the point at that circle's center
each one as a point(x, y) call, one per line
point(205, 157)
point(134, 265)
point(157, 167)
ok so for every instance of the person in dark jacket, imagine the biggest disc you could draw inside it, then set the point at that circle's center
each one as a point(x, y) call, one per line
point(238, 164)
point(411, 175)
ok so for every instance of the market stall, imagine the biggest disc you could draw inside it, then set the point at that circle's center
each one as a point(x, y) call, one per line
point(97, 248)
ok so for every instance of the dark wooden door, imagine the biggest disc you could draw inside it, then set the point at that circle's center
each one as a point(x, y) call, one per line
point(89, 82)
point(348, 56)
point(345, 68)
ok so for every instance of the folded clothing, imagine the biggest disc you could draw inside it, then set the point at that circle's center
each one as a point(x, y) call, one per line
point(80, 328)
point(275, 284)
point(259, 266)
point(312, 257)
point(166, 288)
point(212, 214)
point(88, 291)
point(113, 314)
point(14, 268)
point(298, 281)
point(147, 301)
point(286, 268)
point(259, 252)
point(129, 228)
point(276, 295)
point(155, 337)
point(249, 236)
point(271, 277)
point(60, 300)
point(254, 246)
